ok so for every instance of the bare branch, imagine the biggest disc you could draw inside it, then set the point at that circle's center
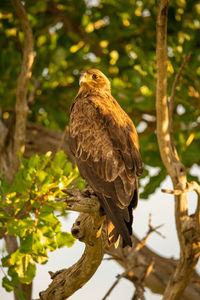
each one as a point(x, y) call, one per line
point(161, 272)
point(152, 229)
point(171, 102)
point(140, 282)
point(124, 274)
point(190, 186)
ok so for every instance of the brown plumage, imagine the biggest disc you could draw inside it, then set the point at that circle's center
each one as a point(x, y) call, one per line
point(105, 144)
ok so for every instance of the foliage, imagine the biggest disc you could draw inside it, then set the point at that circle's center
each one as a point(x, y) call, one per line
point(29, 211)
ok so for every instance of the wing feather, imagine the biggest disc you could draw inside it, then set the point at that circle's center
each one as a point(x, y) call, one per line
point(105, 144)
point(102, 139)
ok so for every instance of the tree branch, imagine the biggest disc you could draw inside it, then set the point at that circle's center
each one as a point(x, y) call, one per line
point(124, 274)
point(40, 140)
point(188, 237)
point(160, 274)
point(21, 108)
point(87, 228)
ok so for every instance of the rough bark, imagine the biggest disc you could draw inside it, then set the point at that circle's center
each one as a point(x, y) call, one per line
point(88, 229)
point(185, 224)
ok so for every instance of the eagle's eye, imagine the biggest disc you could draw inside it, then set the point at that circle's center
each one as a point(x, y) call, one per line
point(94, 76)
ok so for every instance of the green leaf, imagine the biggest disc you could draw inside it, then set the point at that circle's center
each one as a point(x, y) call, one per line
point(26, 269)
point(7, 284)
point(40, 259)
point(48, 217)
point(59, 160)
point(42, 176)
point(19, 227)
point(153, 184)
point(64, 239)
point(33, 162)
point(26, 243)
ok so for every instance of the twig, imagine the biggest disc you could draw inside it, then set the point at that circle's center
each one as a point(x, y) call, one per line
point(171, 101)
point(142, 243)
point(175, 83)
point(124, 274)
point(190, 186)
point(139, 283)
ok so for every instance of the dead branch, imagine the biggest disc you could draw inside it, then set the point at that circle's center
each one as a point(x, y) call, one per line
point(188, 239)
point(139, 282)
point(160, 274)
point(190, 186)
point(152, 229)
point(87, 228)
point(123, 275)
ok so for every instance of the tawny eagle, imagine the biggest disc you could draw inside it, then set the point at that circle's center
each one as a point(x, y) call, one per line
point(105, 144)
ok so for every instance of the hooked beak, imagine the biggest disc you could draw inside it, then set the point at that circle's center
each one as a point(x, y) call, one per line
point(83, 78)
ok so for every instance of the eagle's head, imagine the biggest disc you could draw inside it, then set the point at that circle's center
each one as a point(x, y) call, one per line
point(94, 79)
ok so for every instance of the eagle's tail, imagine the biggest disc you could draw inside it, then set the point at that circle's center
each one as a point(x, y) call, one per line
point(121, 219)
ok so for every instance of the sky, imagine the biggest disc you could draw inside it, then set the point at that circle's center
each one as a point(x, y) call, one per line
point(161, 206)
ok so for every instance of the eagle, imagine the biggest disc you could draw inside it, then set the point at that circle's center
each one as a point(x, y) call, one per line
point(105, 144)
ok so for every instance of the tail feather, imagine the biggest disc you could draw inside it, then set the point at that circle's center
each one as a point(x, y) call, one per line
point(118, 218)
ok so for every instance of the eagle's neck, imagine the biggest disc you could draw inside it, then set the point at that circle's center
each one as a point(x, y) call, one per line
point(91, 90)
